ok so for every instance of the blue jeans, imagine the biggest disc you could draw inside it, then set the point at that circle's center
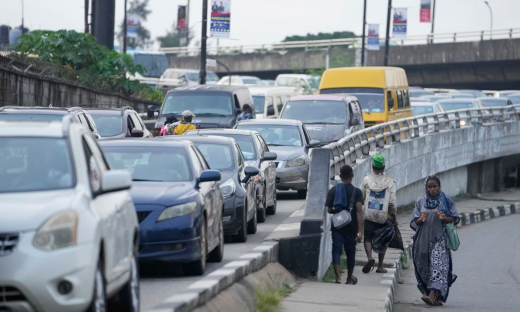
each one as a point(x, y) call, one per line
point(348, 241)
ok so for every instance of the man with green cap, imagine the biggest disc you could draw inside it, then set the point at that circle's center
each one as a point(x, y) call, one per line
point(379, 208)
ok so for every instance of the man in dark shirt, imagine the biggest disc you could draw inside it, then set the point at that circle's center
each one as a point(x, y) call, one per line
point(214, 7)
point(348, 235)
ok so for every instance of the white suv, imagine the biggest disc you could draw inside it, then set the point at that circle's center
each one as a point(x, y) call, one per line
point(68, 228)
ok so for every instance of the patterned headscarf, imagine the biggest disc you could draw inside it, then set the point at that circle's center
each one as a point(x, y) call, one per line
point(438, 200)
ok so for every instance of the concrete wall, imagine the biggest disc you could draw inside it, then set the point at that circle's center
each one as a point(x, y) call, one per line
point(25, 89)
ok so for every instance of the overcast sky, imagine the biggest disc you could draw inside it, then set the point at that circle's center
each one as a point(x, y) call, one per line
point(270, 21)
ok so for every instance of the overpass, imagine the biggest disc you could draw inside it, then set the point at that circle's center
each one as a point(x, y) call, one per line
point(464, 60)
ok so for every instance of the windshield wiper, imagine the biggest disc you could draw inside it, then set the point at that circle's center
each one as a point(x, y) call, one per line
point(143, 180)
point(278, 145)
point(210, 115)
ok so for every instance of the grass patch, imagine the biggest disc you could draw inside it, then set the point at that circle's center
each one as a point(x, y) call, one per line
point(269, 300)
point(329, 276)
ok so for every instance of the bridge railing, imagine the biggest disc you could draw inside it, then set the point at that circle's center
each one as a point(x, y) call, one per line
point(350, 42)
point(353, 146)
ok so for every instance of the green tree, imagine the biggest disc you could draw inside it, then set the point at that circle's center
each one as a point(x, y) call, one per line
point(173, 37)
point(139, 8)
point(322, 36)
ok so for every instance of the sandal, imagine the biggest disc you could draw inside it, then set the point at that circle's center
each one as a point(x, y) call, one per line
point(427, 300)
point(382, 271)
point(369, 267)
point(437, 302)
point(354, 280)
point(338, 281)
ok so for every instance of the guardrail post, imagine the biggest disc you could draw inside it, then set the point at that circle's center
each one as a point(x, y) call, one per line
point(407, 131)
point(457, 120)
point(352, 150)
point(455, 37)
point(436, 125)
point(387, 134)
point(511, 33)
point(482, 36)
point(416, 128)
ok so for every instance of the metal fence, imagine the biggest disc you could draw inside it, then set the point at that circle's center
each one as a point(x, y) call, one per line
point(350, 42)
point(353, 146)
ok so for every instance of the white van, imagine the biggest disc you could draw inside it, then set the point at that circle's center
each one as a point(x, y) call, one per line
point(302, 83)
point(270, 100)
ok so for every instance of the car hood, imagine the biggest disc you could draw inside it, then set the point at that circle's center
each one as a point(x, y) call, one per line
point(326, 133)
point(161, 193)
point(287, 152)
point(26, 211)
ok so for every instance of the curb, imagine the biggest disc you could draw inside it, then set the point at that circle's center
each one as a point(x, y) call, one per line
point(206, 288)
point(392, 277)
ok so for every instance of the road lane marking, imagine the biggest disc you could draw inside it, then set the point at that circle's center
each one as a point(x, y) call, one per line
point(297, 213)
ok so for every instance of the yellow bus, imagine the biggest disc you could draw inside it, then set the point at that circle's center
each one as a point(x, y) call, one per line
point(382, 91)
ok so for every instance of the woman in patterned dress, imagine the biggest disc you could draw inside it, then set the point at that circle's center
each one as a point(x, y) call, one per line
point(431, 256)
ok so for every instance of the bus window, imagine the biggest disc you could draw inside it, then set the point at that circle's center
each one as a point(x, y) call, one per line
point(399, 99)
point(390, 100)
point(406, 98)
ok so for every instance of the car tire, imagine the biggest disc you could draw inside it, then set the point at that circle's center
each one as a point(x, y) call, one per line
point(198, 267)
point(302, 194)
point(217, 254)
point(99, 297)
point(271, 210)
point(129, 294)
point(241, 237)
point(252, 224)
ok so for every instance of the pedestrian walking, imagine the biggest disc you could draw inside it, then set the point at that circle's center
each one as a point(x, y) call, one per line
point(345, 197)
point(247, 113)
point(431, 255)
point(379, 207)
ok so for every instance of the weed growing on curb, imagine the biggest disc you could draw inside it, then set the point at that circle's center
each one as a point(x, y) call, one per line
point(268, 300)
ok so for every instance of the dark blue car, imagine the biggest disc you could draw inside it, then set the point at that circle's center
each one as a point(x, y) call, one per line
point(177, 198)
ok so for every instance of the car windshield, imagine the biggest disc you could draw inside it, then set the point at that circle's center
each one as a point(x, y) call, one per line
point(490, 102)
point(30, 117)
point(154, 64)
point(253, 81)
point(150, 163)
point(314, 111)
point(462, 96)
point(209, 77)
point(371, 102)
point(244, 141)
point(422, 109)
point(108, 125)
point(202, 104)
point(275, 135)
point(259, 103)
point(448, 106)
point(35, 164)
point(218, 156)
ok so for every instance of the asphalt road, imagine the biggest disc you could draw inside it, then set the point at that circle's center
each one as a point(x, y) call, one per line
point(487, 268)
point(158, 282)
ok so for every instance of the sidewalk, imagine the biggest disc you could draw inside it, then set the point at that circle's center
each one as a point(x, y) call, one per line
point(374, 292)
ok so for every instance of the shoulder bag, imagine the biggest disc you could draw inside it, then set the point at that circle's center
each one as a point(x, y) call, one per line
point(453, 241)
point(343, 218)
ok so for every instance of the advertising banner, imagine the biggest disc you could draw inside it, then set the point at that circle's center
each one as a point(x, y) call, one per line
point(220, 25)
point(132, 23)
point(373, 37)
point(426, 11)
point(400, 23)
point(181, 17)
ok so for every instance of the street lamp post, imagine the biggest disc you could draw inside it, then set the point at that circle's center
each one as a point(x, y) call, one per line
point(202, 71)
point(491, 16)
point(387, 38)
point(23, 27)
point(363, 36)
point(124, 30)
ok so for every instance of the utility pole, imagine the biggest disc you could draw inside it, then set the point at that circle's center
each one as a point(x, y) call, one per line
point(433, 20)
point(202, 71)
point(86, 16)
point(188, 24)
point(23, 27)
point(124, 30)
point(387, 39)
point(363, 36)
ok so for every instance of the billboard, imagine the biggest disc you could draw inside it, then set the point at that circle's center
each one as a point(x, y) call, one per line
point(181, 17)
point(400, 23)
point(426, 11)
point(220, 25)
point(373, 37)
point(132, 23)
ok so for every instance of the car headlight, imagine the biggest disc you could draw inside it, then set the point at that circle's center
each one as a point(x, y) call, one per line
point(57, 232)
point(462, 122)
point(228, 188)
point(177, 211)
point(295, 162)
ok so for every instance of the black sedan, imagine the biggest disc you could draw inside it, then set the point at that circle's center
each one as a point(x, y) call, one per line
point(256, 154)
point(236, 185)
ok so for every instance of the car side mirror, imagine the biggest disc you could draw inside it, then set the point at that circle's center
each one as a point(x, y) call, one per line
point(269, 156)
point(150, 111)
point(250, 172)
point(209, 176)
point(136, 133)
point(115, 180)
point(314, 143)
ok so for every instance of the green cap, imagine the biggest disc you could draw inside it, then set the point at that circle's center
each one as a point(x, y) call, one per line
point(378, 161)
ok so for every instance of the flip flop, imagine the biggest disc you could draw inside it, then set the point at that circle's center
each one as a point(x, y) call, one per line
point(437, 302)
point(354, 280)
point(427, 300)
point(338, 282)
point(369, 266)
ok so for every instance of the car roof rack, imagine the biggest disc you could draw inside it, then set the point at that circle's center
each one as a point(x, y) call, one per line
point(124, 108)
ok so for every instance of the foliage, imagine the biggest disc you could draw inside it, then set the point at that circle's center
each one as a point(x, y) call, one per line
point(139, 8)
point(322, 36)
point(173, 37)
point(269, 299)
point(329, 276)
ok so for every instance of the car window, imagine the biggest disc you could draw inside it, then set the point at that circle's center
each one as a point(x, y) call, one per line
point(196, 161)
point(270, 107)
point(307, 136)
point(259, 101)
point(151, 163)
point(129, 124)
point(83, 120)
point(201, 103)
point(218, 156)
point(35, 164)
point(279, 103)
point(247, 146)
point(203, 162)
point(406, 99)
point(96, 150)
point(276, 135)
point(30, 117)
point(239, 156)
point(109, 125)
point(316, 111)
point(399, 99)
point(136, 122)
point(91, 122)
point(262, 146)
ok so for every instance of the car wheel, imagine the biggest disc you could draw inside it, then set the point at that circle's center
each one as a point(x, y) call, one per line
point(252, 225)
point(271, 210)
point(198, 267)
point(241, 237)
point(262, 212)
point(129, 294)
point(302, 194)
point(99, 300)
point(218, 253)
